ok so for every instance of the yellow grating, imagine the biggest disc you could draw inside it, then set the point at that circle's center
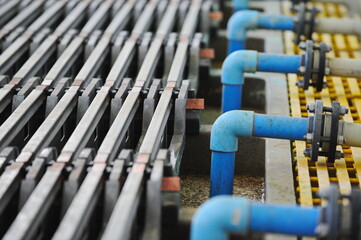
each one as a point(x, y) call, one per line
point(311, 176)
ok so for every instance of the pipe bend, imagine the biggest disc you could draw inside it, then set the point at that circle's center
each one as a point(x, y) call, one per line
point(219, 216)
point(236, 64)
point(240, 23)
point(240, 4)
point(228, 127)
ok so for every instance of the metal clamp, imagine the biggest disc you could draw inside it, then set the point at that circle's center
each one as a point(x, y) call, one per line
point(322, 132)
point(313, 65)
point(340, 217)
point(305, 21)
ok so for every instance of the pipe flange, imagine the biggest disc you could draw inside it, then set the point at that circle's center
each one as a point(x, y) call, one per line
point(328, 228)
point(313, 65)
point(340, 217)
point(320, 71)
point(322, 131)
point(355, 218)
point(305, 21)
point(314, 130)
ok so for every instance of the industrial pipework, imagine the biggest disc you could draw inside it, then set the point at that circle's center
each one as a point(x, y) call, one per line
point(353, 5)
point(312, 65)
point(335, 219)
point(304, 25)
point(323, 130)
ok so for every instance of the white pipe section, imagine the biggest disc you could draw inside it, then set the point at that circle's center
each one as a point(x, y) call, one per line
point(344, 67)
point(338, 25)
point(352, 134)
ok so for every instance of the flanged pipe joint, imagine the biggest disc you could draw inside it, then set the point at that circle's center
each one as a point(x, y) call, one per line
point(336, 219)
point(304, 24)
point(312, 65)
point(323, 130)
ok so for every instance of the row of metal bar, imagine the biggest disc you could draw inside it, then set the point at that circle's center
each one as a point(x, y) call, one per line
point(84, 148)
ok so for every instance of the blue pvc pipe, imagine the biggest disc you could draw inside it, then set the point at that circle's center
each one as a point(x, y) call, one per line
point(278, 63)
point(222, 173)
point(277, 22)
point(239, 5)
point(219, 216)
point(283, 127)
point(239, 62)
point(222, 215)
point(242, 21)
point(232, 97)
point(291, 220)
point(224, 141)
point(234, 45)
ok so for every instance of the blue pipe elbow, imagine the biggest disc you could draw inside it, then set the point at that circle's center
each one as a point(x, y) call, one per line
point(232, 77)
point(239, 62)
point(222, 215)
point(228, 127)
point(219, 216)
point(239, 5)
point(242, 21)
point(237, 28)
point(224, 141)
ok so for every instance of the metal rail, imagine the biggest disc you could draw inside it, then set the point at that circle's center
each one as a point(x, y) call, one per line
point(32, 103)
point(88, 109)
point(123, 216)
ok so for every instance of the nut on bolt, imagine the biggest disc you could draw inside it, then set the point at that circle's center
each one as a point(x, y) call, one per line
point(311, 108)
point(343, 110)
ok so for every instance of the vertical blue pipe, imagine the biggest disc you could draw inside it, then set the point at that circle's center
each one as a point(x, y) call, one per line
point(231, 97)
point(283, 127)
point(292, 220)
point(239, 5)
point(222, 173)
point(234, 45)
point(278, 63)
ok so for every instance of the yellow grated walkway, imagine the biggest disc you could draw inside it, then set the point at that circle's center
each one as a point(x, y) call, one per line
point(311, 176)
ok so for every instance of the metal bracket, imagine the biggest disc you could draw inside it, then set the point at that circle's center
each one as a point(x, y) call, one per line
point(313, 65)
point(322, 130)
